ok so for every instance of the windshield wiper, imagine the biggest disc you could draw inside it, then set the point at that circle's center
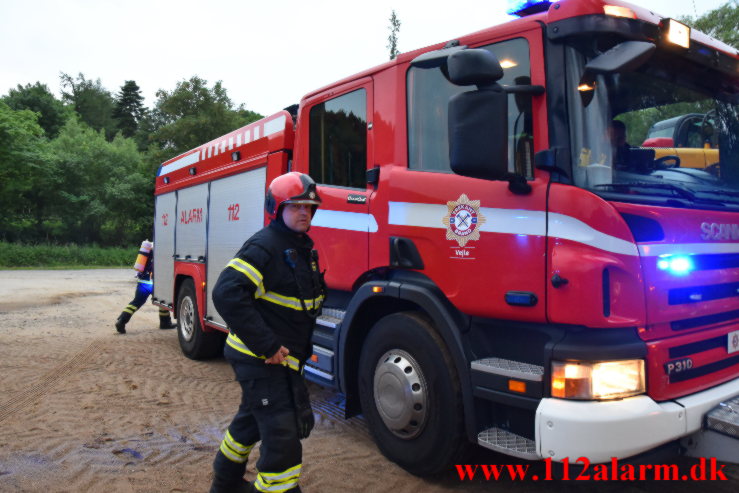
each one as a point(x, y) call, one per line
point(622, 187)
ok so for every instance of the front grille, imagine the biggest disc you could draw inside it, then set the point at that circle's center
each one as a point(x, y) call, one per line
point(697, 347)
point(691, 323)
point(713, 261)
point(692, 361)
point(696, 294)
point(704, 370)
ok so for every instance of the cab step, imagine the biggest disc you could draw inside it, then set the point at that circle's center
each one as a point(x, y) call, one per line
point(724, 418)
point(331, 318)
point(509, 368)
point(320, 366)
point(327, 327)
point(509, 443)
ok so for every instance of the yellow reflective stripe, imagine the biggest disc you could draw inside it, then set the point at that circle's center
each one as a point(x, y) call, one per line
point(292, 363)
point(230, 455)
point(274, 488)
point(290, 302)
point(286, 474)
point(233, 340)
point(278, 481)
point(236, 446)
point(249, 271)
point(143, 281)
point(233, 450)
point(130, 309)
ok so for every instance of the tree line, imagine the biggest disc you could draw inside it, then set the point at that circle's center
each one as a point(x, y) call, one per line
point(80, 169)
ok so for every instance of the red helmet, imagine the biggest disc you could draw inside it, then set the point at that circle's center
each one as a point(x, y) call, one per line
point(290, 188)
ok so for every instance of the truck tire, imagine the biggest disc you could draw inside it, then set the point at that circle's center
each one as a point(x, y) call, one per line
point(194, 342)
point(410, 394)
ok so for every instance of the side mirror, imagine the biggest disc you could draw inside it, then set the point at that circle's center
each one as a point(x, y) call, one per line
point(478, 119)
point(476, 66)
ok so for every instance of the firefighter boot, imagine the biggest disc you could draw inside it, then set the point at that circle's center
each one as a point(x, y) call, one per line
point(222, 485)
point(120, 324)
point(166, 323)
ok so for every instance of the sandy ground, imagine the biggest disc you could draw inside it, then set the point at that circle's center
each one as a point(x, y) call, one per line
point(85, 409)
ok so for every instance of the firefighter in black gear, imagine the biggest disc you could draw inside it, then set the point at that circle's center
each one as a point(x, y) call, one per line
point(144, 287)
point(270, 295)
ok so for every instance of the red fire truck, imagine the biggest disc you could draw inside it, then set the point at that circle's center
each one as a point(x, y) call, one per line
point(501, 271)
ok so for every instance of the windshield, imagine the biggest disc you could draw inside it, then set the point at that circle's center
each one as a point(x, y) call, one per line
point(665, 134)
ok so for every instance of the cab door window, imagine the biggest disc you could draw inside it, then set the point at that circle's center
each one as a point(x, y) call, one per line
point(428, 98)
point(338, 141)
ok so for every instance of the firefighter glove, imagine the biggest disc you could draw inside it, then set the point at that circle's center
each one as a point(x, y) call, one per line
point(303, 410)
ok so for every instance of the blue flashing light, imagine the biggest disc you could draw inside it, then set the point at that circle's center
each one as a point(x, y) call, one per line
point(678, 265)
point(522, 8)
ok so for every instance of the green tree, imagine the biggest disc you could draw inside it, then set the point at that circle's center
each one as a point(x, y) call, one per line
point(721, 23)
point(92, 102)
point(39, 99)
point(27, 180)
point(191, 115)
point(129, 108)
point(392, 39)
point(129, 195)
point(105, 194)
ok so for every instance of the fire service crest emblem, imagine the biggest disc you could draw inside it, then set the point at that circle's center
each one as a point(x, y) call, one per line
point(463, 220)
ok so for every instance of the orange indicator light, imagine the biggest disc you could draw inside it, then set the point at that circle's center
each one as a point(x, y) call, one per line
point(516, 386)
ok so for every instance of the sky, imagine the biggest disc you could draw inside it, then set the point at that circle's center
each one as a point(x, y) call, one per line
point(268, 54)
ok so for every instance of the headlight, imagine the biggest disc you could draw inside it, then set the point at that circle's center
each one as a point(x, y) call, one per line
point(597, 381)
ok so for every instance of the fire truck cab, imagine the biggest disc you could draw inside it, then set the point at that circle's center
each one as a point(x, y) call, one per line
point(495, 276)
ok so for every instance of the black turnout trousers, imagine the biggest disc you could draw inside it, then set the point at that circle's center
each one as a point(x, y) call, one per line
point(266, 413)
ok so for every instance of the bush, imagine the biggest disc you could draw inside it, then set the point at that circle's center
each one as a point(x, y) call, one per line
point(13, 255)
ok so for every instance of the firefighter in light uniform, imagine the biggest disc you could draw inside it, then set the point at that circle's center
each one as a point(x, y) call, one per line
point(270, 295)
point(144, 287)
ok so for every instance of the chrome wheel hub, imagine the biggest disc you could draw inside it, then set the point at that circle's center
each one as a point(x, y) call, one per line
point(401, 395)
point(187, 319)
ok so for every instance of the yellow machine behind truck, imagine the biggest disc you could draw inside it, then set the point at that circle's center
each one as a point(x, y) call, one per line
point(690, 138)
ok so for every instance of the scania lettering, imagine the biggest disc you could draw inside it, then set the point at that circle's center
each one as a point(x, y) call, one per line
point(502, 270)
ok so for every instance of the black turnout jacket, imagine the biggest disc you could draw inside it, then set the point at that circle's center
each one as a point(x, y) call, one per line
point(259, 293)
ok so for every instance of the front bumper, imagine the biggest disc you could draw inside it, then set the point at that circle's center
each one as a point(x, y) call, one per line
point(599, 431)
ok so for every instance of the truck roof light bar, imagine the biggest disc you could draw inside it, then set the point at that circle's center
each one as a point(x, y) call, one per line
point(618, 11)
point(676, 32)
point(522, 8)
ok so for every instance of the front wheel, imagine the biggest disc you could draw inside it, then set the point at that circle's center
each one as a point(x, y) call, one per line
point(194, 342)
point(410, 394)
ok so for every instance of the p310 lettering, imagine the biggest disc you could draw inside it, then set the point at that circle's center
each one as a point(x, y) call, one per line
point(678, 366)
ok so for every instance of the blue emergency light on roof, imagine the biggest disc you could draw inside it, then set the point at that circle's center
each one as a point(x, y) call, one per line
point(522, 8)
point(678, 265)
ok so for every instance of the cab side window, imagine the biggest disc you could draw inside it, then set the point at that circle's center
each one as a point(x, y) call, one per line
point(428, 99)
point(338, 141)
